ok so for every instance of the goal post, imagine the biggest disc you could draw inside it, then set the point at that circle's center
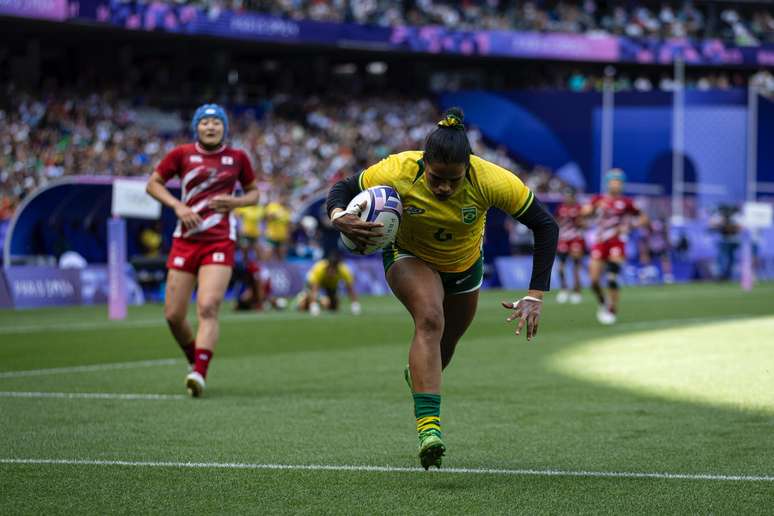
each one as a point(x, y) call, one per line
point(129, 200)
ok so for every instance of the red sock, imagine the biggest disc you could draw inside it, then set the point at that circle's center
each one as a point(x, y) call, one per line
point(203, 357)
point(189, 351)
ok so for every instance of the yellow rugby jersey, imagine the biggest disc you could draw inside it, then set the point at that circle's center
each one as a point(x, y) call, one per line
point(448, 234)
point(321, 276)
point(251, 220)
point(278, 222)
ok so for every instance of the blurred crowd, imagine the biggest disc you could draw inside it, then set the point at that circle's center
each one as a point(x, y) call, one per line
point(298, 147)
point(747, 25)
point(644, 81)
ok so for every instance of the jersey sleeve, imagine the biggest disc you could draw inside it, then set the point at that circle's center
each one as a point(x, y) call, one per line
point(383, 173)
point(504, 190)
point(246, 172)
point(345, 274)
point(170, 165)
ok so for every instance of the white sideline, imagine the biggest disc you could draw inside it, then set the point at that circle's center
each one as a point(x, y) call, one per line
point(90, 368)
point(91, 395)
point(396, 469)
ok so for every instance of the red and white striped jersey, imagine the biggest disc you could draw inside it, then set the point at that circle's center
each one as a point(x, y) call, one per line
point(203, 175)
point(613, 214)
point(570, 221)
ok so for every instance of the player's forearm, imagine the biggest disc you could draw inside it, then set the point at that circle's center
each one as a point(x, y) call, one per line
point(546, 235)
point(341, 193)
point(156, 189)
point(250, 198)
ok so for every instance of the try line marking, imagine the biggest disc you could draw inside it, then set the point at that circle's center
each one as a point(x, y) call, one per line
point(89, 368)
point(92, 395)
point(395, 469)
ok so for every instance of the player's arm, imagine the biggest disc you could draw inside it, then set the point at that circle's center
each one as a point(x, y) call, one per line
point(313, 279)
point(226, 203)
point(545, 232)
point(588, 209)
point(314, 305)
point(156, 188)
point(349, 282)
point(508, 193)
point(349, 222)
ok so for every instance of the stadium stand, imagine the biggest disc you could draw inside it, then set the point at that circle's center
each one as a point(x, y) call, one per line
point(744, 25)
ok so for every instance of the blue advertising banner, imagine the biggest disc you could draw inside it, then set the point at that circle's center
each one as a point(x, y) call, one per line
point(32, 287)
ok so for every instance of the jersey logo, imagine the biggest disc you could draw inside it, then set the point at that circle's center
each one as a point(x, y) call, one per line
point(227, 160)
point(469, 214)
point(442, 235)
point(196, 158)
point(459, 281)
point(413, 210)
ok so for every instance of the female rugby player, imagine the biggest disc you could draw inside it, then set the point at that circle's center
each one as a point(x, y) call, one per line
point(204, 239)
point(435, 267)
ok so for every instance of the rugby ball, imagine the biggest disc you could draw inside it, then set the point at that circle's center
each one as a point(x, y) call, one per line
point(382, 205)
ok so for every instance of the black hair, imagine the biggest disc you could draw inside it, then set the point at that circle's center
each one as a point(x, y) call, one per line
point(334, 256)
point(448, 143)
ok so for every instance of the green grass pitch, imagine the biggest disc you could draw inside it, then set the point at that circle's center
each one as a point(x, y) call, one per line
point(683, 385)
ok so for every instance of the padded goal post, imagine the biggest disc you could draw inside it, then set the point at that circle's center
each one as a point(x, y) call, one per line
point(129, 200)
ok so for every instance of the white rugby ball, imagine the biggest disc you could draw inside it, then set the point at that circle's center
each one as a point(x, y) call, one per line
point(382, 205)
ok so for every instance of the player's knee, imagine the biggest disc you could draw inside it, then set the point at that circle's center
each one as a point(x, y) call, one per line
point(429, 322)
point(207, 308)
point(613, 269)
point(175, 317)
point(447, 352)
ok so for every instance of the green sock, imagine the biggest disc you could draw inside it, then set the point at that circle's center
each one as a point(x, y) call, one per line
point(427, 410)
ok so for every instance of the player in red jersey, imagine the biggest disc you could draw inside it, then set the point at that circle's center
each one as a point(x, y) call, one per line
point(615, 213)
point(571, 245)
point(204, 239)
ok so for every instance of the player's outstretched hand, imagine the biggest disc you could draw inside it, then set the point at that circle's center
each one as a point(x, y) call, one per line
point(189, 218)
point(360, 232)
point(223, 203)
point(527, 311)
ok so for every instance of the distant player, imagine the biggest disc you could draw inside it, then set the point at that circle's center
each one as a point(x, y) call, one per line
point(615, 215)
point(277, 218)
point(435, 267)
point(572, 246)
point(325, 276)
point(255, 280)
point(655, 245)
point(250, 218)
point(203, 244)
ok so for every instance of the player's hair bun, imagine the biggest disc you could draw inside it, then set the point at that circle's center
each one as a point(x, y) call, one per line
point(453, 118)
